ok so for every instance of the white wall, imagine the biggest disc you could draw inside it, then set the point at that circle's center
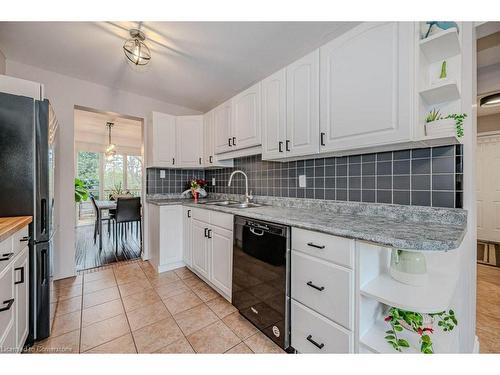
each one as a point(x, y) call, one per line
point(488, 79)
point(2, 63)
point(64, 93)
point(466, 292)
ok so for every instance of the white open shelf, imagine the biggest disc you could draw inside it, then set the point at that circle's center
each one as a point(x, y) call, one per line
point(440, 46)
point(433, 297)
point(442, 93)
point(374, 341)
point(444, 139)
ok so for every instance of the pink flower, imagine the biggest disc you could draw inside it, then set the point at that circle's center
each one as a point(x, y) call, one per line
point(428, 329)
point(420, 331)
point(387, 318)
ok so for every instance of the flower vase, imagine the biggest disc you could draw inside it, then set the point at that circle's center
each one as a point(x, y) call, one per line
point(195, 195)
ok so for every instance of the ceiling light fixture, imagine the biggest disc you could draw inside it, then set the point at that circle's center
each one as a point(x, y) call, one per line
point(135, 49)
point(490, 100)
point(111, 149)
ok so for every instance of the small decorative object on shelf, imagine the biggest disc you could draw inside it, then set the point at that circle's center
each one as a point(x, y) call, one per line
point(443, 75)
point(421, 324)
point(196, 187)
point(408, 267)
point(436, 124)
point(434, 27)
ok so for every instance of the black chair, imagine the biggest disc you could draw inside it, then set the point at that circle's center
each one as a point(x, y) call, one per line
point(128, 212)
point(96, 223)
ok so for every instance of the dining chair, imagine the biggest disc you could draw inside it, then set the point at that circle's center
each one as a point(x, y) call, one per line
point(128, 211)
point(96, 222)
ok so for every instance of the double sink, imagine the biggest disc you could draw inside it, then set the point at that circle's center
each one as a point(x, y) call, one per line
point(233, 204)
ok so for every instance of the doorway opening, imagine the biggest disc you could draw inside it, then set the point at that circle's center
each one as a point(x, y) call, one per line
point(109, 173)
point(488, 189)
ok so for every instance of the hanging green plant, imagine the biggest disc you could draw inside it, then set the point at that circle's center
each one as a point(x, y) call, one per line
point(81, 192)
point(400, 319)
point(459, 122)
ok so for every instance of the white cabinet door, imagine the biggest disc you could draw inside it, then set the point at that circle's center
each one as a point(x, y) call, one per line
point(187, 230)
point(366, 86)
point(302, 87)
point(7, 302)
point(189, 139)
point(208, 139)
point(274, 116)
point(161, 140)
point(246, 118)
point(21, 295)
point(199, 248)
point(222, 123)
point(221, 260)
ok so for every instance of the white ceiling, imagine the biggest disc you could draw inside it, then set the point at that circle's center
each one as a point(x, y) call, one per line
point(90, 129)
point(194, 64)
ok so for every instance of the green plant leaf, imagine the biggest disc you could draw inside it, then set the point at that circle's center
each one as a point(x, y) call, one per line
point(403, 343)
point(390, 337)
point(398, 328)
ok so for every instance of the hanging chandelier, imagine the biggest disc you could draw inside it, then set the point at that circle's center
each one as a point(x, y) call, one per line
point(136, 51)
point(111, 148)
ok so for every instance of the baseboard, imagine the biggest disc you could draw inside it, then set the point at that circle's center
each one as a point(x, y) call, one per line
point(170, 266)
point(476, 348)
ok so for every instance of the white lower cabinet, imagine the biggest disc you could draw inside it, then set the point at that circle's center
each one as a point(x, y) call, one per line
point(14, 292)
point(322, 291)
point(323, 286)
point(221, 259)
point(21, 296)
point(313, 333)
point(200, 248)
point(165, 237)
point(187, 254)
point(211, 248)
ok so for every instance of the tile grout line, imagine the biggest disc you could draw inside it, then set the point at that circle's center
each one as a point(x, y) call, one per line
point(125, 311)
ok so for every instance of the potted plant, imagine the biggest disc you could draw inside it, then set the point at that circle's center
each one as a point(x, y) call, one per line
point(197, 187)
point(437, 124)
point(81, 195)
point(443, 75)
point(420, 324)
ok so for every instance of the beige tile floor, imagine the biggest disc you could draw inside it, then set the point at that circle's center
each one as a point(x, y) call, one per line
point(129, 308)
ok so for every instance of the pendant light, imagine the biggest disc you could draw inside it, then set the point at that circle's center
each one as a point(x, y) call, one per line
point(136, 51)
point(111, 148)
point(490, 100)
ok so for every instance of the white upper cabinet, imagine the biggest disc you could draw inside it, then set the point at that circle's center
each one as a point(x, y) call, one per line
point(302, 102)
point(189, 141)
point(208, 139)
point(161, 140)
point(274, 116)
point(246, 118)
point(222, 123)
point(210, 159)
point(366, 86)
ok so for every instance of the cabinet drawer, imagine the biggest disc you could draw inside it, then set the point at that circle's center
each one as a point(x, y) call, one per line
point(6, 296)
point(6, 253)
point(335, 249)
point(309, 326)
point(19, 240)
point(322, 286)
point(201, 214)
point(222, 220)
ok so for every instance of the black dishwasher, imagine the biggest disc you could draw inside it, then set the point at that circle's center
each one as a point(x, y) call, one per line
point(261, 276)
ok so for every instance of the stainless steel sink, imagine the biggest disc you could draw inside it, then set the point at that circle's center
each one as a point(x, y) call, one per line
point(233, 204)
point(245, 205)
point(221, 203)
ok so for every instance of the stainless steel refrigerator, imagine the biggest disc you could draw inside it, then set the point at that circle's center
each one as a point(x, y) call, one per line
point(27, 134)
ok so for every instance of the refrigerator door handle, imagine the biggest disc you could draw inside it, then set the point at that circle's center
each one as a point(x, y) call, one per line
point(43, 218)
point(43, 273)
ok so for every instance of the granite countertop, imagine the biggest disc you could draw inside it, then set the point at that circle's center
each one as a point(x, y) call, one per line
point(401, 227)
point(10, 225)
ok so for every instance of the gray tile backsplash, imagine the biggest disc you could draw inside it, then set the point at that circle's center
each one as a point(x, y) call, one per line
point(427, 177)
point(175, 180)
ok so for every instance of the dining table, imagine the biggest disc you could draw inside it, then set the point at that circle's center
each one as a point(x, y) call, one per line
point(103, 205)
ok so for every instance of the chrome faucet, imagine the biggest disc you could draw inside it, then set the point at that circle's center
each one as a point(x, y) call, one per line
point(248, 197)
